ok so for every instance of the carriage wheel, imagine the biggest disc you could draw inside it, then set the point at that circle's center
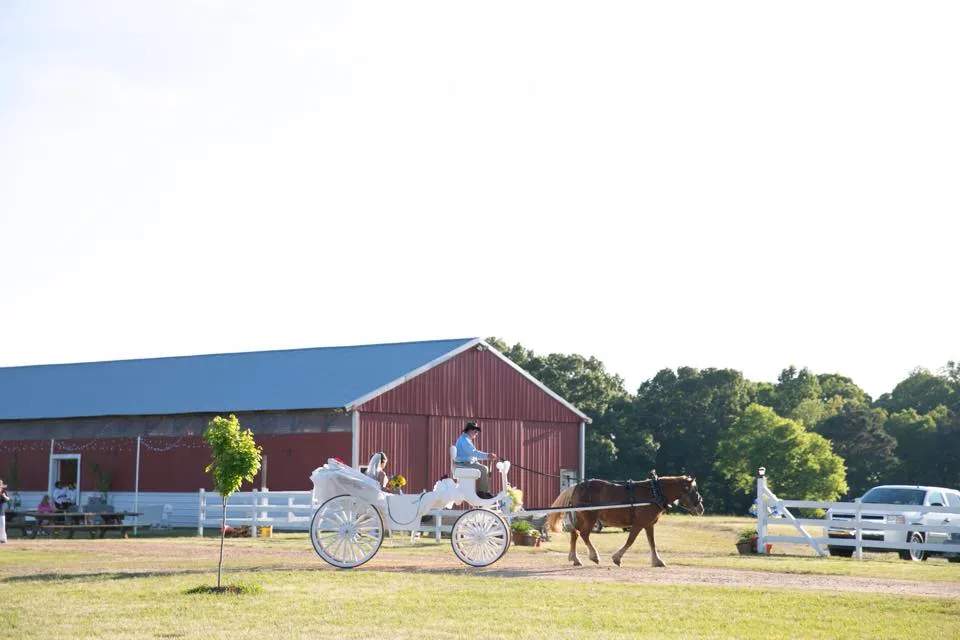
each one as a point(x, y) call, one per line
point(346, 531)
point(480, 537)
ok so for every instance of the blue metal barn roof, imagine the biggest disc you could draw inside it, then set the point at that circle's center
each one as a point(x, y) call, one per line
point(322, 378)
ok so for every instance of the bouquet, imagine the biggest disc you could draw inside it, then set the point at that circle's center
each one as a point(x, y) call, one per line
point(396, 482)
point(514, 499)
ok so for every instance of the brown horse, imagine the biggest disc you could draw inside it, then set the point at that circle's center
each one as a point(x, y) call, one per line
point(658, 492)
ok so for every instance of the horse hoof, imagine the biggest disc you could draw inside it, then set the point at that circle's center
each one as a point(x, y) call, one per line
point(658, 565)
point(595, 560)
point(616, 561)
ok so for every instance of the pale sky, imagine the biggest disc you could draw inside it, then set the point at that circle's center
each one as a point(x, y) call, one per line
point(737, 184)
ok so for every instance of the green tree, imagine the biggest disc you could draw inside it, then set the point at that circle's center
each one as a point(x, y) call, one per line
point(833, 385)
point(858, 436)
point(235, 459)
point(800, 464)
point(797, 395)
point(686, 411)
point(921, 390)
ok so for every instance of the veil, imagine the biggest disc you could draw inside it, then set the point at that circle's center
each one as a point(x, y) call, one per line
point(374, 465)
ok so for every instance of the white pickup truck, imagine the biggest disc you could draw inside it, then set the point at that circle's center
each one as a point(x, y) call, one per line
point(911, 497)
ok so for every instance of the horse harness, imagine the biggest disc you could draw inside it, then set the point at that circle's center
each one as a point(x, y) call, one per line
point(655, 488)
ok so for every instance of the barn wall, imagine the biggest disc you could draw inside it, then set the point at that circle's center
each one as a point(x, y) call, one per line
point(404, 439)
point(474, 383)
point(172, 454)
point(418, 447)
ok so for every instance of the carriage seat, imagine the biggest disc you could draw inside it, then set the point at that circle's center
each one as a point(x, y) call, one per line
point(460, 472)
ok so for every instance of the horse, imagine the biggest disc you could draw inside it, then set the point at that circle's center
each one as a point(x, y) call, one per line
point(659, 493)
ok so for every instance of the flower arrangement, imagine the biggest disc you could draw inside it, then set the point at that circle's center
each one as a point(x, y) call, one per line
point(516, 498)
point(396, 482)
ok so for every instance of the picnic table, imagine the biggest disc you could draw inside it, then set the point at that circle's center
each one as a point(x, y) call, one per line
point(32, 523)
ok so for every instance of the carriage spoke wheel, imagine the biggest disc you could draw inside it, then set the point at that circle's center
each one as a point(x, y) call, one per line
point(346, 531)
point(480, 537)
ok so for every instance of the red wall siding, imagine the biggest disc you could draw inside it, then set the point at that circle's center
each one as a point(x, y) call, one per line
point(32, 459)
point(292, 458)
point(418, 447)
point(173, 464)
point(474, 383)
point(404, 439)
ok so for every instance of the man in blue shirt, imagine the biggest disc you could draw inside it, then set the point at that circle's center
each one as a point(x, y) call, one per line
point(468, 456)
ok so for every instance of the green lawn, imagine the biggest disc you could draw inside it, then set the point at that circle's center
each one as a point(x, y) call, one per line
point(136, 589)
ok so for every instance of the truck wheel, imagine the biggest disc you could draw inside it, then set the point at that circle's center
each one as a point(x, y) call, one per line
point(911, 554)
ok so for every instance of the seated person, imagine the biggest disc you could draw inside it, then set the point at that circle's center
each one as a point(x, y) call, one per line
point(468, 456)
point(61, 497)
point(375, 469)
point(46, 506)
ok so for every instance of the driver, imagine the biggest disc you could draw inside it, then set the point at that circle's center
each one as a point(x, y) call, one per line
point(468, 455)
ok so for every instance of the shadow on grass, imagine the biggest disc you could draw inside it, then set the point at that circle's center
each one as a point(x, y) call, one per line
point(127, 575)
point(107, 575)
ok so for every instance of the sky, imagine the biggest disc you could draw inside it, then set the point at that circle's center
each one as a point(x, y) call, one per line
point(748, 185)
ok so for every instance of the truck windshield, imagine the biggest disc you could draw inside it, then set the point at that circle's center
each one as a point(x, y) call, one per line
point(886, 495)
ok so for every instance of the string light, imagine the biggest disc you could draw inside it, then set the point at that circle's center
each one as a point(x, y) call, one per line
point(105, 445)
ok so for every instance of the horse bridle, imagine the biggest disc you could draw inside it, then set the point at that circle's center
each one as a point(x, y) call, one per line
point(657, 490)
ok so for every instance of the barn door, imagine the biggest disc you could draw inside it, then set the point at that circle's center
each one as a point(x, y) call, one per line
point(65, 467)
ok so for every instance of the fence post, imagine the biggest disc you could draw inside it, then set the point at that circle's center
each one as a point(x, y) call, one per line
point(290, 509)
point(203, 512)
point(254, 519)
point(857, 522)
point(761, 510)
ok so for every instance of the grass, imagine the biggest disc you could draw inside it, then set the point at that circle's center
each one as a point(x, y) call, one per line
point(350, 604)
point(138, 589)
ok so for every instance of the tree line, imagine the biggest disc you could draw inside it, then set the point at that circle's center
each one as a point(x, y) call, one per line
point(820, 436)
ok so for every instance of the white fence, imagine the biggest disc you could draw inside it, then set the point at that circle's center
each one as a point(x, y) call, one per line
point(290, 511)
point(768, 503)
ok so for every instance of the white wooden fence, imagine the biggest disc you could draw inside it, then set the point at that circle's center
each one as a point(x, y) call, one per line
point(289, 511)
point(768, 503)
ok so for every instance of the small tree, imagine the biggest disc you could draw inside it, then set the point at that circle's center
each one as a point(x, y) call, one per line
point(235, 459)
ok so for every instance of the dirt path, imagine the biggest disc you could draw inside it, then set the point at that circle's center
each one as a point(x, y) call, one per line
point(551, 567)
point(155, 557)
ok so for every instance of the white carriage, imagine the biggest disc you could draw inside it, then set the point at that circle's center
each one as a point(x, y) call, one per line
point(348, 527)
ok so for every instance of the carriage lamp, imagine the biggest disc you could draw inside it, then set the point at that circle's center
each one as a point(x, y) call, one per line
point(762, 471)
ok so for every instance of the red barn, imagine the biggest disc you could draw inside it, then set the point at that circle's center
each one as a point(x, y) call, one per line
point(136, 425)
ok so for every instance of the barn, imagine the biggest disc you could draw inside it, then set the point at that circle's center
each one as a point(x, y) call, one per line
point(136, 425)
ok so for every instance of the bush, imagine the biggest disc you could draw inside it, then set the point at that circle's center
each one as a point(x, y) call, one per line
point(748, 535)
point(521, 526)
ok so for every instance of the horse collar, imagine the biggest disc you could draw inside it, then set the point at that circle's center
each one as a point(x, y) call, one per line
point(658, 493)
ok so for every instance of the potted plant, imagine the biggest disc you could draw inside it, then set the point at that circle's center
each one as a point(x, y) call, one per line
point(522, 533)
point(747, 542)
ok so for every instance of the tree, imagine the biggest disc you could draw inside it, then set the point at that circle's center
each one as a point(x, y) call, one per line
point(685, 412)
point(800, 464)
point(797, 395)
point(921, 390)
point(858, 436)
point(834, 385)
point(235, 459)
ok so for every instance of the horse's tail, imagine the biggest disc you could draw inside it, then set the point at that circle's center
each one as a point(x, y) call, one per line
point(555, 519)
